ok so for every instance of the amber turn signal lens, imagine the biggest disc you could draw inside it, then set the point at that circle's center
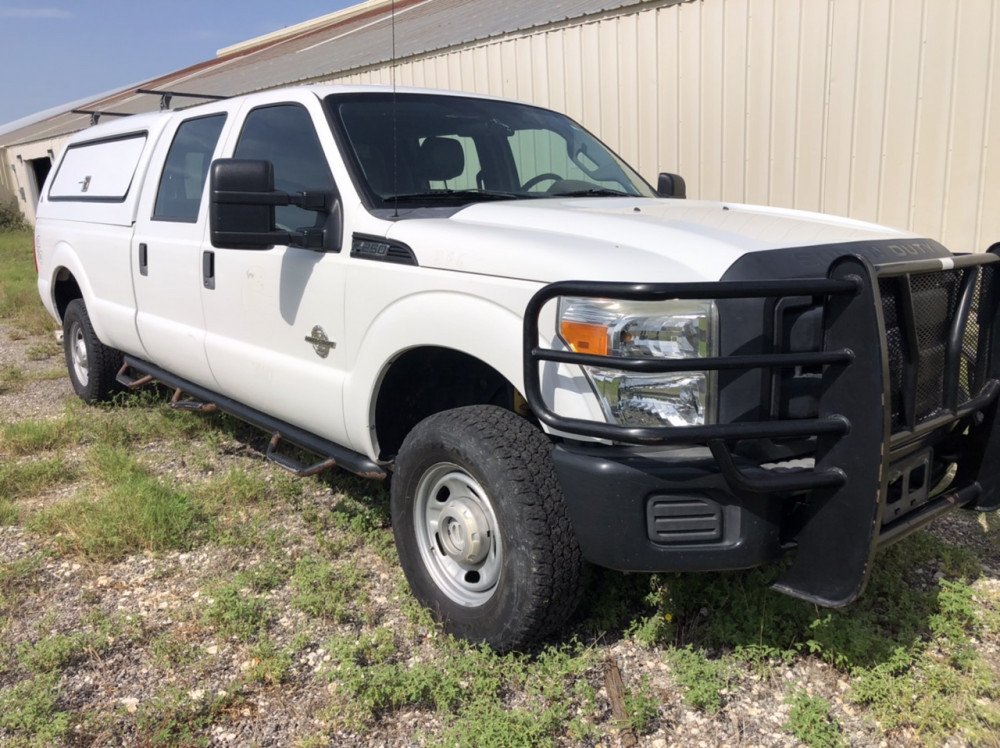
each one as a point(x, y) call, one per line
point(585, 338)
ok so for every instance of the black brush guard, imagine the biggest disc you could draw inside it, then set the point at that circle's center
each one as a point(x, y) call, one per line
point(879, 404)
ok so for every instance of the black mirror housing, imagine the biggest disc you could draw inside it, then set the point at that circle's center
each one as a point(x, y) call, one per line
point(671, 185)
point(236, 220)
point(242, 199)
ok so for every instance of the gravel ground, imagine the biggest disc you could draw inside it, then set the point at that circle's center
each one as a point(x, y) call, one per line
point(166, 593)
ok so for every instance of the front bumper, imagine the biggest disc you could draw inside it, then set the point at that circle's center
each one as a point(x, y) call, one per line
point(890, 413)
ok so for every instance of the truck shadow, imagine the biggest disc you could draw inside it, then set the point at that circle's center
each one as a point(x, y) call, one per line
point(918, 585)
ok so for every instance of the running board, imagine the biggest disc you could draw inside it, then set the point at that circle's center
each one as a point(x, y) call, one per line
point(136, 373)
point(197, 406)
point(293, 466)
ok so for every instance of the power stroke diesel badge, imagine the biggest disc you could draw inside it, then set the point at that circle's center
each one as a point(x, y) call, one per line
point(320, 342)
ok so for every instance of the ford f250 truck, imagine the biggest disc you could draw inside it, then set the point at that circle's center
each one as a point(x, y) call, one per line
point(556, 362)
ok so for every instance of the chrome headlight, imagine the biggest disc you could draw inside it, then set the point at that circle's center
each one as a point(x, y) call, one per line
point(673, 329)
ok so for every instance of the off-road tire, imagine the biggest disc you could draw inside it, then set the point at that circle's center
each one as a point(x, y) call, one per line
point(496, 468)
point(92, 365)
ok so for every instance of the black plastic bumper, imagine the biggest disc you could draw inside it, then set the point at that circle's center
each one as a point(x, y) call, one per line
point(663, 510)
point(877, 430)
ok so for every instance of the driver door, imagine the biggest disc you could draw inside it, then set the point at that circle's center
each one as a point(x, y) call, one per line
point(269, 309)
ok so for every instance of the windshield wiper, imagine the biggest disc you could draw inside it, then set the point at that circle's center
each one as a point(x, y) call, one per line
point(449, 195)
point(591, 192)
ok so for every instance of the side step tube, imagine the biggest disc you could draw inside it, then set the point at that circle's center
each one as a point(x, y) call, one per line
point(333, 455)
point(293, 466)
point(198, 407)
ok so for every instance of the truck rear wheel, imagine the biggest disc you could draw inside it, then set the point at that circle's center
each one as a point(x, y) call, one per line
point(93, 366)
point(481, 527)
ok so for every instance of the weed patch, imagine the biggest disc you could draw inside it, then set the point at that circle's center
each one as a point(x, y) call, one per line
point(42, 351)
point(336, 592)
point(702, 679)
point(11, 379)
point(467, 686)
point(11, 217)
point(269, 664)
point(237, 612)
point(177, 717)
point(30, 710)
point(810, 721)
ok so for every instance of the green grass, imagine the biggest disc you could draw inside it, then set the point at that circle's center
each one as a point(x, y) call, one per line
point(237, 612)
point(95, 634)
point(12, 379)
point(9, 514)
point(333, 591)
point(126, 509)
point(24, 479)
point(19, 302)
point(16, 578)
point(701, 679)
point(31, 711)
point(467, 686)
point(44, 350)
point(270, 664)
point(31, 437)
point(910, 649)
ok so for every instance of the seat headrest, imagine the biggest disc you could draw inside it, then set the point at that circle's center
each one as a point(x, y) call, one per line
point(441, 159)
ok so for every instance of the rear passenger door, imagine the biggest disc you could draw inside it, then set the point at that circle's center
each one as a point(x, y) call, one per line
point(271, 310)
point(168, 268)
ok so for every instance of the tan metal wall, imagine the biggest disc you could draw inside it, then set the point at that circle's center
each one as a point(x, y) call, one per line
point(7, 183)
point(17, 158)
point(882, 110)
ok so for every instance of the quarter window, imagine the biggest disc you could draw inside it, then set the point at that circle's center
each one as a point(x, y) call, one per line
point(183, 180)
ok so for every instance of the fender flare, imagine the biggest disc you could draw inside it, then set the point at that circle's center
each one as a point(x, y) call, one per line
point(487, 331)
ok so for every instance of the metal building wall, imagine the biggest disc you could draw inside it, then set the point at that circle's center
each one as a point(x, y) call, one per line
point(19, 157)
point(882, 110)
point(7, 183)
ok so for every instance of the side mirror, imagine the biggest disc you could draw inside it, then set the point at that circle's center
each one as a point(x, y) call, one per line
point(242, 199)
point(671, 185)
point(234, 221)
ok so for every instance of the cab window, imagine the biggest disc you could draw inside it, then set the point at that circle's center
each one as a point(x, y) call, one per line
point(284, 135)
point(182, 184)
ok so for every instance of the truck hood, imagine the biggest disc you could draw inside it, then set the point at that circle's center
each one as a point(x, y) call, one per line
point(617, 239)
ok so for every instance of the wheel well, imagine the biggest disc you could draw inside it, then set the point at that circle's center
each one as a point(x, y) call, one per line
point(425, 381)
point(65, 290)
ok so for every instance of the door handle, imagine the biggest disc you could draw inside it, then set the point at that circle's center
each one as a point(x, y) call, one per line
point(208, 269)
point(143, 259)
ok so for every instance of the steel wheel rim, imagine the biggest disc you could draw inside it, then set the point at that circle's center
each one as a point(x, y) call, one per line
point(78, 354)
point(457, 534)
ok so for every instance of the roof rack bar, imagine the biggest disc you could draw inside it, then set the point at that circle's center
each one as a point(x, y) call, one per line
point(96, 115)
point(166, 96)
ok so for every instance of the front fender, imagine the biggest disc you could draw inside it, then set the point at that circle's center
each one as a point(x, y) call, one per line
point(488, 329)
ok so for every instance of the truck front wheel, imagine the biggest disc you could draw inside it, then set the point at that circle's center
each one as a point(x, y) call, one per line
point(92, 365)
point(481, 527)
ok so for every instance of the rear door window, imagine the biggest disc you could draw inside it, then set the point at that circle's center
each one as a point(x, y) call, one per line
point(182, 182)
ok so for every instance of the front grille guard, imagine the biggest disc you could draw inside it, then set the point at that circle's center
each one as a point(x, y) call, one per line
point(856, 435)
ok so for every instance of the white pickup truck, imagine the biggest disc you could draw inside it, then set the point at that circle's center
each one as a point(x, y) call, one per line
point(557, 363)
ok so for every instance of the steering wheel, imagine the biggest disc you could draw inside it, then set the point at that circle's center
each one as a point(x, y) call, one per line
point(540, 178)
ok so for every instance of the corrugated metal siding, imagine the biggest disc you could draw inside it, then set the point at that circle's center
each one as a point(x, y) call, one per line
point(882, 110)
point(362, 40)
point(879, 109)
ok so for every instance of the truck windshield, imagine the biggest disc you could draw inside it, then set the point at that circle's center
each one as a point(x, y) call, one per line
point(425, 150)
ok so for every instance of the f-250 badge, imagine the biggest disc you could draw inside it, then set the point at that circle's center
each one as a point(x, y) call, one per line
point(320, 342)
